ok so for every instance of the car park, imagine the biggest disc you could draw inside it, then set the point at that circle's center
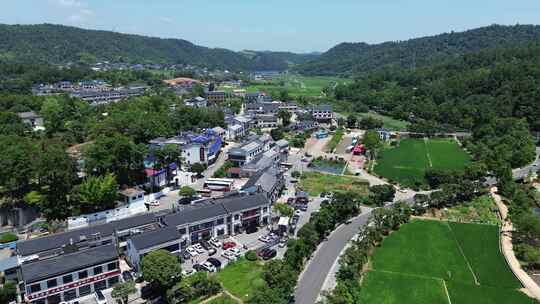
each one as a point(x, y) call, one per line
point(209, 266)
point(100, 298)
point(204, 245)
point(264, 238)
point(215, 262)
point(192, 251)
point(215, 242)
point(227, 245)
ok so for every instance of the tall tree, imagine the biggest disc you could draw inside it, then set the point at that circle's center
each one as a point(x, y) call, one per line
point(161, 268)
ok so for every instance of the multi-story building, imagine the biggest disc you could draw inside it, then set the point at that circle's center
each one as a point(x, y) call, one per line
point(196, 102)
point(195, 148)
point(166, 238)
point(322, 113)
point(216, 96)
point(246, 153)
point(267, 121)
point(257, 98)
point(71, 275)
point(270, 182)
point(104, 97)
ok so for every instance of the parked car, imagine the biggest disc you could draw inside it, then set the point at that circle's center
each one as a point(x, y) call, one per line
point(187, 273)
point(127, 276)
point(215, 242)
point(283, 242)
point(215, 262)
point(154, 203)
point(199, 267)
point(290, 200)
point(228, 255)
point(212, 251)
point(267, 253)
point(100, 298)
point(198, 248)
point(192, 251)
point(325, 202)
point(302, 207)
point(227, 245)
point(323, 194)
point(209, 266)
point(265, 238)
point(298, 212)
point(204, 244)
point(235, 251)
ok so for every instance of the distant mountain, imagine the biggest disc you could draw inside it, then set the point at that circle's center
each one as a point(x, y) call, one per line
point(48, 43)
point(359, 58)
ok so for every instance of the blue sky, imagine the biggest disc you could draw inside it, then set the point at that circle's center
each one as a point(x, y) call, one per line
point(291, 25)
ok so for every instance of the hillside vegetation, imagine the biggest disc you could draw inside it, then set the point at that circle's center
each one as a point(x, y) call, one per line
point(48, 43)
point(360, 58)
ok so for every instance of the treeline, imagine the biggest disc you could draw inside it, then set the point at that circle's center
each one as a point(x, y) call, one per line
point(352, 59)
point(38, 169)
point(58, 44)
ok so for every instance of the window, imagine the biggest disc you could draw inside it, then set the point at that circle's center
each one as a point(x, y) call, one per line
point(220, 221)
point(98, 270)
point(67, 279)
point(35, 288)
point(236, 217)
point(84, 290)
point(70, 295)
point(182, 231)
point(112, 266)
point(265, 209)
point(52, 283)
point(83, 275)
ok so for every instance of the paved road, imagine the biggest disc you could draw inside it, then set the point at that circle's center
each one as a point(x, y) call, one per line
point(314, 275)
point(520, 173)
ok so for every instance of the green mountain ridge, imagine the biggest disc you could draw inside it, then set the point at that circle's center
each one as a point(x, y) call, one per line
point(360, 58)
point(59, 44)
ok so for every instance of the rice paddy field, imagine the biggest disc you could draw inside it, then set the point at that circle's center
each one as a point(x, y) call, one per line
point(441, 262)
point(296, 85)
point(407, 163)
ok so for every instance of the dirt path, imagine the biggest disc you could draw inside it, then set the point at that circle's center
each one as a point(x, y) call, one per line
point(531, 288)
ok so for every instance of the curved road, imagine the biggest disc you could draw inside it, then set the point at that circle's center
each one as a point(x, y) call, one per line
point(312, 278)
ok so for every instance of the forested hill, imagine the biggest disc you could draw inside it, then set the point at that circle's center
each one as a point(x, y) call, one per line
point(56, 44)
point(359, 58)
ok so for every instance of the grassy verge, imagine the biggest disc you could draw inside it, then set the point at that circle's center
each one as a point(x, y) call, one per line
point(336, 138)
point(481, 210)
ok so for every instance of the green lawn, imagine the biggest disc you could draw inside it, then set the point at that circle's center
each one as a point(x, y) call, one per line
point(480, 243)
point(315, 183)
point(412, 263)
point(242, 278)
point(296, 85)
point(407, 163)
point(222, 300)
point(426, 248)
point(393, 288)
point(388, 122)
point(470, 294)
point(336, 139)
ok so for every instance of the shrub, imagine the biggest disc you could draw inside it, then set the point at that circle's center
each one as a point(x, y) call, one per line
point(251, 255)
point(8, 237)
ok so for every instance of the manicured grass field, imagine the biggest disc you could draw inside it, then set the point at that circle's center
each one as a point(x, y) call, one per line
point(425, 260)
point(480, 243)
point(242, 278)
point(470, 294)
point(425, 248)
point(407, 163)
point(315, 183)
point(389, 288)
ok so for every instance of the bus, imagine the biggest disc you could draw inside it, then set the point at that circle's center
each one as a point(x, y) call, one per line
point(219, 184)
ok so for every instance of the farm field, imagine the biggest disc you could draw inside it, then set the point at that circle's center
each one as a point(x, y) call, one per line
point(388, 122)
point(296, 85)
point(407, 163)
point(480, 210)
point(437, 262)
point(315, 183)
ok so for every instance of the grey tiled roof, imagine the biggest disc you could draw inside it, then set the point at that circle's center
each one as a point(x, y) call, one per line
point(195, 213)
point(155, 237)
point(66, 263)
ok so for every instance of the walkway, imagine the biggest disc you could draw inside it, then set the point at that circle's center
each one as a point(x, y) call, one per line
point(531, 288)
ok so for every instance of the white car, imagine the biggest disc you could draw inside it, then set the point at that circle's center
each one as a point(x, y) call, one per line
point(208, 266)
point(215, 242)
point(228, 255)
point(100, 298)
point(235, 251)
point(154, 203)
point(264, 238)
point(298, 212)
point(192, 251)
point(187, 273)
point(198, 248)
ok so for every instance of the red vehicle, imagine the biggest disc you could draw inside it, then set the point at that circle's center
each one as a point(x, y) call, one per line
point(227, 245)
